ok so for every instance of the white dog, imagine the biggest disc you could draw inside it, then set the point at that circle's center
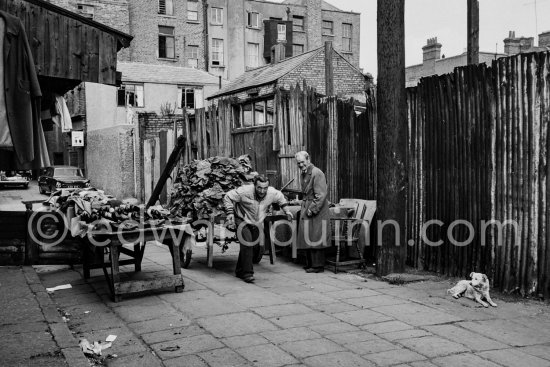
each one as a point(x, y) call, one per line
point(475, 289)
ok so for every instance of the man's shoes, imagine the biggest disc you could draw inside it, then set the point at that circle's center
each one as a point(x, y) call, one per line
point(315, 270)
point(248, 279)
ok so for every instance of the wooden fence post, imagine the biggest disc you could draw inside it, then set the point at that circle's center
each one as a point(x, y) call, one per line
point(391, 136)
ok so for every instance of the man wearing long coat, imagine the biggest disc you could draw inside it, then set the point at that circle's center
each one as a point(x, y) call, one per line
point(314, 227)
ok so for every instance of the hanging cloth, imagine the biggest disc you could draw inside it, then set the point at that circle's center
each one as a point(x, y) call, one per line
point(22, 97)
point(5, 137)
point(63, 116)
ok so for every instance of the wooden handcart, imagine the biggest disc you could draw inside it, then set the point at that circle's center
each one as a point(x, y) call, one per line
point(132, 244)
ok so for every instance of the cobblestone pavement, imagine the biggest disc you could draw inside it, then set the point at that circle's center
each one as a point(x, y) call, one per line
point(291, 318)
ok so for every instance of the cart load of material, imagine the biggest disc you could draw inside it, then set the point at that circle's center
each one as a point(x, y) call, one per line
point(200, 186)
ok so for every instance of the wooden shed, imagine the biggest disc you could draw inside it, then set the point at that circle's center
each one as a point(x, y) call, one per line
point(67, 48)
point(266, 112)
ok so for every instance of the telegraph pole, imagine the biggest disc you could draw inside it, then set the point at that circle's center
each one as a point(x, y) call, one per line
point(473, 32)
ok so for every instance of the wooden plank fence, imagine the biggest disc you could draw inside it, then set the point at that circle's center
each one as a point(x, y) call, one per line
point(478, 151)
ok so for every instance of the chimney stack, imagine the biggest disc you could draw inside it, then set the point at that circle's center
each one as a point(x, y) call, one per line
point(277, 53)
point(544, 39)
point(431, 53)
point(514, 45)
point(432, 50)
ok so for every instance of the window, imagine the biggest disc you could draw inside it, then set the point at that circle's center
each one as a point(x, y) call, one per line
point(86, 10)
point(192, 10)
point(327, 27)
point(193, 56)
point(253, 55)
point(190, 97)
point(217, 51)
point(166, 42)
point(130, 95)
point(258, 113)
point(346, 37)
point(281, 32)
point(166, 7)
point(254, 20)
point(297, 23)
point(297, 49)
point(216, 16)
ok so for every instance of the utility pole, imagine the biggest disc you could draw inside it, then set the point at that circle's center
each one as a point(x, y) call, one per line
point(391, 137)
point(473, 32)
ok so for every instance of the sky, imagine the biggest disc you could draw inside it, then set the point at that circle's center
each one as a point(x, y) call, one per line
point(446, 20)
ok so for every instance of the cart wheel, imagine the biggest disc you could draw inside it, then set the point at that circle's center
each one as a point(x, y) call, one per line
point(258, 253)
point(185, 258)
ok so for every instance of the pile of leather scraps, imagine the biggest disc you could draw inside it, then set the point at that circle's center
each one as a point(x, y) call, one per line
point(93, 210)
point(200, 186)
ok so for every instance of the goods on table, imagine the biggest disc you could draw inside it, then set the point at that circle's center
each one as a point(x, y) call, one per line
point(201, 185)
point(93, 209)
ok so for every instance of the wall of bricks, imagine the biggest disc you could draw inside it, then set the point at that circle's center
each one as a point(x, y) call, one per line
point(144, 23)
point(347, 79)
point(151, 124)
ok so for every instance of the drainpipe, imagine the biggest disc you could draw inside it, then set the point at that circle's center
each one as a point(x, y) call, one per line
point(205, 34)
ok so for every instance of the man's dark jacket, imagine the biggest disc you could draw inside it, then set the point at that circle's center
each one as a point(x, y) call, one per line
point(21, 89)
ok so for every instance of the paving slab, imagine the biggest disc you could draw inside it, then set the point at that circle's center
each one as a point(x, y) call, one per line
point(307, 348)
point(172, 334)
point(507, 332)
point(290, 335)
point(333, 328)
point(242, 341)
point(163, 323)
point(404, 334)
point(512, 358)
point(358, 292)
point(372, 346)
point(188, 345)
point(235, 324)
point(187, 361)
point(466, 337)
point(282, 310)
point(361, 317)
point(339, 359)
point(257, 298)
point(335, 307)
point(417, 315)
point(143, 359)
point(375, 301)
point(352, 337)
point(433, 346)
point(314, 318)
point(223, 357)
point(267, 355)
point(463, 360)
point(541, 351)
point(309, 297)
point(392, 357)
point(386, 327)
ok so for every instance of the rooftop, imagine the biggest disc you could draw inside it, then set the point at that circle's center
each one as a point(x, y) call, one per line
point(164, 74)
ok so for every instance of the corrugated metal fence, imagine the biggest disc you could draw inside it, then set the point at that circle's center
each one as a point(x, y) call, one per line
point(478, 151)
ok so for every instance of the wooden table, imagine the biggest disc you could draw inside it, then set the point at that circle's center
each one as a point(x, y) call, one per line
point(94, 256)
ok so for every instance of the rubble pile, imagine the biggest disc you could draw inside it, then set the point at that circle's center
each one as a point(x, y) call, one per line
point(201, 185)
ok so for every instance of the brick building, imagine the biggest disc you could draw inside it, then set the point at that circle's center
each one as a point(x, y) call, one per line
point(434, 63)
point(242, 32)
point(282, 72)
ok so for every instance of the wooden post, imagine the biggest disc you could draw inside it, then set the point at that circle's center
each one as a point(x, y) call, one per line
point(391, 136)
point(329, 71)
point(174, 158)
point(473, 32)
